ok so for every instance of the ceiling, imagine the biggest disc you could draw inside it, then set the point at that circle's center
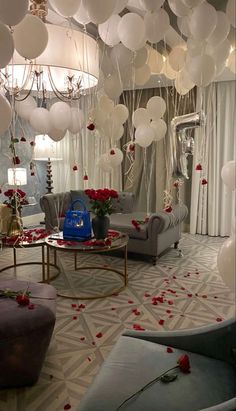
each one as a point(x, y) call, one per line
point(173, 36)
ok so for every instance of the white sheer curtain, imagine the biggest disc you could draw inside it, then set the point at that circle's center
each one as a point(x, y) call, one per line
point(213, 205)
point(83, 150)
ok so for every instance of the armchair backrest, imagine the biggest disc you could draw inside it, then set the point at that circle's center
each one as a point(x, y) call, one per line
point(55, 207)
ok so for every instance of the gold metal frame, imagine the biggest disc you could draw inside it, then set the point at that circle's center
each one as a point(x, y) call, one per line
point(123, 274)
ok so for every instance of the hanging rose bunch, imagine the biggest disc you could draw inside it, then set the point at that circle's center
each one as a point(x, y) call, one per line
point(101, 200)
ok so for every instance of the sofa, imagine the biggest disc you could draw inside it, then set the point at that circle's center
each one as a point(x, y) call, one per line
point(138, 357)
point(154, 236)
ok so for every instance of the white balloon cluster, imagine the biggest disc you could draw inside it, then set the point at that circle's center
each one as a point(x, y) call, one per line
point(29, 38)
point(148, 122)
point(226, 258)
point(208, 49)
point(53, 122)
point(109, 119)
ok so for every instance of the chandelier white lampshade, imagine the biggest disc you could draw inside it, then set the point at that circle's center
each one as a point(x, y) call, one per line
point(69, 53)
point(17, 176)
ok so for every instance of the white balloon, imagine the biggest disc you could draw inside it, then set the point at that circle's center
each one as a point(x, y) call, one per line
point(232, 61)
point(56, 135)
point(228, 174)
point(183, 81)
point(81, 16)
point(106, 104)
point(100, 117)
point(121, 113)
point(30, 37)
point(120, 5)
point(65, 8)
point(99, 10)
point(156, 107)
point(168, 71)
point(201, 70)
point(106, 64)
point(195, 47)
point(13, 11)
point(202, 21)
point(179, 8)
point(121, 56)
point(60, 115)
point(104, 163)
point(156, 24)
point(220, 53)
point(25, 107)
point(226, 262)
point(131, 30)
point(118, 133)
point(113, 87)
point(155, 61)
point(6, 45)
point(40, 120)
point(77, 120)
point(160, 129)
point(180, 88)
point(140, 57)
point(221, 30)
point(182, 23)
point(142, 75)
point(177, 58)
point(192, 3)
point(108, 30)
point(151, 5)
point(144, 135)
point(140, 117)
point(5, 114)
point(231, 12)
point(115, 156)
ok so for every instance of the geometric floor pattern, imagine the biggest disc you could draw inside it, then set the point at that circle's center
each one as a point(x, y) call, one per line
point(177, 293)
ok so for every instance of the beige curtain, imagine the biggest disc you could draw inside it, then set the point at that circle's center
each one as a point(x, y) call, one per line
point(149, 175)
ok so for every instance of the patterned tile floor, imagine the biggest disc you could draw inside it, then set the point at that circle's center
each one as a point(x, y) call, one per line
point(193, 295)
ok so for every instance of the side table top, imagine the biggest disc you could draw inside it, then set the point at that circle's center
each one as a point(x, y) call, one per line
point(115, 240)
point(29, 238)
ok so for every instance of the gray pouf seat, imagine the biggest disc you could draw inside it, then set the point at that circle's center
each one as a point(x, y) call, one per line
point(25, 333)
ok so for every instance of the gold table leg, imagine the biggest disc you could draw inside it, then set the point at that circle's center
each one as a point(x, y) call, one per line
point(43, 264)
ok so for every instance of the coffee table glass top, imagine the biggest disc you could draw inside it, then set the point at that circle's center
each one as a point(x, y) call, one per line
point(115, 240)
point(29, 238)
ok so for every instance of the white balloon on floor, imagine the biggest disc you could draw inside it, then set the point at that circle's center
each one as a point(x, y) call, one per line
point(226, 262)
point(65, 8)
point(40, 120)
point(6, 45)
point(25, 107)
point(13, 11)
point(5, 114)
point(30, 37)
point(228, 174)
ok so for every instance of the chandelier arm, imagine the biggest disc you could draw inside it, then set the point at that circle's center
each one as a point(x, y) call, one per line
point(58, 93)
point(28, 93)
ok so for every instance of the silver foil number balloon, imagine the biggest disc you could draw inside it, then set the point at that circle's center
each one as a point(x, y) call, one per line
point(181, 144)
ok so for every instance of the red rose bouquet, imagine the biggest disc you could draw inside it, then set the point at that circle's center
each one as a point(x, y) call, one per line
point(16, 198)
point(101, 200)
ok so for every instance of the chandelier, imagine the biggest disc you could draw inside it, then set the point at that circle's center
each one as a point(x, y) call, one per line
point(67, 68)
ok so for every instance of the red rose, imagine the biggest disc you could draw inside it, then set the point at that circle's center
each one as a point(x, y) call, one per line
point(75, 168)
point(91, 127)
point(131, 147)
point(32, 173)
point(112, 152)
point(22, 299)
point(16, 160)
point(23, 139)
point(184, 364)
point(85, 178)
point(198, 167)
point(204, 181)
point(168, 209)
point(32, 143)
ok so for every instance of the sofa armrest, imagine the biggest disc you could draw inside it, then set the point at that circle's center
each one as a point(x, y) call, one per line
point(54, 207)
point(216, 341)
point(162, 220)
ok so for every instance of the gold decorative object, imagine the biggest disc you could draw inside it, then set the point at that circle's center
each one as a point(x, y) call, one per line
point(16, 225)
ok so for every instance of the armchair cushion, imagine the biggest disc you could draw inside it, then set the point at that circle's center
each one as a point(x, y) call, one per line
point(123, 222)
point(134, 362)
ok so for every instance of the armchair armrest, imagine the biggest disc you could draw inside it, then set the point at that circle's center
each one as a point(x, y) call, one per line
point(163, 220)
point(216, 341)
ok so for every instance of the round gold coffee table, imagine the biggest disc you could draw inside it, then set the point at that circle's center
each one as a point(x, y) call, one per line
point(118, 241)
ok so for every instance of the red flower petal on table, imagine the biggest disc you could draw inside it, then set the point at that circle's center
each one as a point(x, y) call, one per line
point(82, 338)
point(73, 305)
point(131, 147)
point(31, 306)
point(169, 350)
point(170, 302)
point(218, 319)
point(184, 364)
point(99, 335)
point(91, 127)
point(198, 167)
point(136, 312)
point(75, 317)
point(16, 160)
point(67, 407)
point(161, 322)
point(130, 301)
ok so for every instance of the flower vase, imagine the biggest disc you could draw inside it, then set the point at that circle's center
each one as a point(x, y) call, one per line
point(16, 225)
point(100, 226)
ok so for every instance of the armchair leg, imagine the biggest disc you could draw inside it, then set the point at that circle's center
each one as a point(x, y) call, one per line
point(154, 259)
point(176, 247)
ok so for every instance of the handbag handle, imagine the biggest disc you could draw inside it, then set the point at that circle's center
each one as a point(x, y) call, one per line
point(77, 201)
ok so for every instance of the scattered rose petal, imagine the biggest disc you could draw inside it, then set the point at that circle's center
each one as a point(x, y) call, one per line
point(170, 302)
point(146, 294)
point(82, 338)
point(168, 311)
point(113, 308)
point(219, 319)
point(73, 305)
point(67, 407)
point(169, 350)
point(31, 306)
point(99, 335)
point(138, 327)
point(130, 301)
point(82, 306)
point(89, 359)
point(204, 296)
point(161, 322)
point(75, 317)
point(189, 295)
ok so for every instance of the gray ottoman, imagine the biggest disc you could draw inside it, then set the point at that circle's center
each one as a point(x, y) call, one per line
point(25, 333)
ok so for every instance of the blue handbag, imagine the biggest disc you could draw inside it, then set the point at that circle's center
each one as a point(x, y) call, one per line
point(77, 224)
